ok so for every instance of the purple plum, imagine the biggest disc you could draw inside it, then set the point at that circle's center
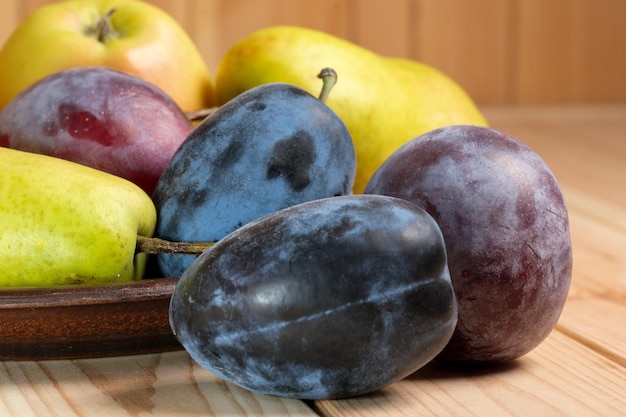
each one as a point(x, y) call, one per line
point(506, 228)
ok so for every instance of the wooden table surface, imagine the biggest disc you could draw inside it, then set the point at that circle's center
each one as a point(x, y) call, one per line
point(579, 370)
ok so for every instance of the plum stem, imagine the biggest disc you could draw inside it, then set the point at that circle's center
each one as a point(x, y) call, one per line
point(152, 245)
point(329, 78)
point(104, 30)
point(327, 75)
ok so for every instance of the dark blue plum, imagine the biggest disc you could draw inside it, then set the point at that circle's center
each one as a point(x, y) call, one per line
point(331, 298)
point(505, 223)
point(269, 148)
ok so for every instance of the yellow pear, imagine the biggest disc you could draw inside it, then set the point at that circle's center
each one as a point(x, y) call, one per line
point(65, 223)
point(384, 101)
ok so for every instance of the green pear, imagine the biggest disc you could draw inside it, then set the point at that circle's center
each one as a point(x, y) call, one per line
point(65, 223)
point(383, 101)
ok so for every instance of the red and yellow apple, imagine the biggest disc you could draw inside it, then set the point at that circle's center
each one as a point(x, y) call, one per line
point(99, 117)
point(128, 35)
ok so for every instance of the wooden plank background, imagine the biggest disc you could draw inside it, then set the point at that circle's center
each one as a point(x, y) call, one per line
point(503, 52)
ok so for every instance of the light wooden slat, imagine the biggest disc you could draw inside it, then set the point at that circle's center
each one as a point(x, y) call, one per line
point(8, 18)
point(546, 51)
point(606, 60)
point(598, 324)
point(168, 384)
point(598, 231)
point(179, 10)
point(29, 6)
point(384, 27)
point(558, 378)
point(570, 50)
point(469, 41)
point(219, 23)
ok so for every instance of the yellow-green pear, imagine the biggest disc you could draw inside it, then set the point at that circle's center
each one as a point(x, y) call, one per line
point(65, 223)
point(384, 101)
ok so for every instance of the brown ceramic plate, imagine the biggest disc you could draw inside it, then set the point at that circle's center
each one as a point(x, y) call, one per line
point(86, 321)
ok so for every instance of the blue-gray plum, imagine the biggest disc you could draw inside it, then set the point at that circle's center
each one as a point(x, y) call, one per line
point(269, 148)
point(331, 298)
point(506, 229)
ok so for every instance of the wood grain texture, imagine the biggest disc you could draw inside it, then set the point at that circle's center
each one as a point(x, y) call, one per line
point(167, 384)
point(559, 378)
point(500, 51)
point(470, 41)
point(598, 324)
point(569, 50)
point(598, 236)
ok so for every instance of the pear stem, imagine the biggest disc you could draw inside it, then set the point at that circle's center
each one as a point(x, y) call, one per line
point(152, 245)
point(104, 30)
point(329, 78)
